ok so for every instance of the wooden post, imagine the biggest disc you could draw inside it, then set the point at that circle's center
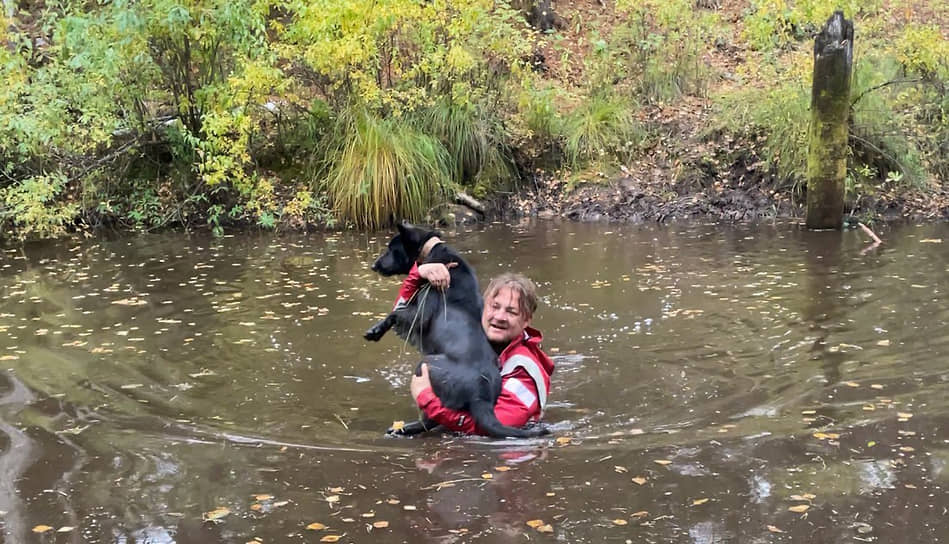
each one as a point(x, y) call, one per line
point(827, 135)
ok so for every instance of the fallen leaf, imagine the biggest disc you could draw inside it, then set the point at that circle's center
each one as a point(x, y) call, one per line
point(620, 469)
point(799, 508)
point(883, 343)
point(330, 538)
point(315, 526)
point(332, 498)
point(256, 507)
point(697, 502)
point(545, 529)
point(409, 507)
point(662, 462)
point(216, 514)
point(640, 514)
point(380, 524)
point(263, 497)
point(904, 415)
point(931, 241)
point(41, 528)
point(876, 386)
point(65, 529)
point(848, 384)
point(487, 476)
point(639, 480)
point(502, 469)
point(774, 529)
point(563, 440)
point(535, 523)
point(620, 522)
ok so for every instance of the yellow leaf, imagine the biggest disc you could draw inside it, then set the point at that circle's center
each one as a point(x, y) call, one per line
point(41, 528)
point(487, 476)
point(869, 407)
point(639, 480)
point(368, 515)
point(662, 462)
point(393, 501)
point(336, 490)
point(904, 415)
point(810, 496)
point(931, 241)
point(871, 443)
point(883, 343)
point(620, 469)
point(620, 522)
point(315, 526)
point(502, 469)
point(13, 358)
point(849, 384)
point(640, 514)
point(907, 449)
point(65, 529)
point(774, 529)
point(697, 502)
point(332, 498)
point(409, 507)
point(535, 523)
point(799, 508)
point(563, 440)
point(545, 529)
point(380, 524)
point(263, 497)
point(256, 507)
point(330, 538)
point(875, 386)
point(216, 514)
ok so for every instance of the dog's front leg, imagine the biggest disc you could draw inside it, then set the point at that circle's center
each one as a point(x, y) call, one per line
point(376, 331)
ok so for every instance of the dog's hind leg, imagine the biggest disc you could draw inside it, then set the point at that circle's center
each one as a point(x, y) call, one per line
point(379, 329)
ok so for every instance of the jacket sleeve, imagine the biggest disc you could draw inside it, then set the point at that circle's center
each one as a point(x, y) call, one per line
point(516, 405)
point(410, 285)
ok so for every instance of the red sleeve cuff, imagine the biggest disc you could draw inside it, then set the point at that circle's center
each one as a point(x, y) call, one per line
point(425, 397)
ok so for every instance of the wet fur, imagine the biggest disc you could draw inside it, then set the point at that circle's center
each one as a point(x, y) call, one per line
point(446, 328)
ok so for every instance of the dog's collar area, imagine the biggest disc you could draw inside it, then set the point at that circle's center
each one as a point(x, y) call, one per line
point(427, 248)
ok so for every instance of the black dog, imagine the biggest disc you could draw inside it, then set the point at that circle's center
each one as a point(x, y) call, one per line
point(446, 327)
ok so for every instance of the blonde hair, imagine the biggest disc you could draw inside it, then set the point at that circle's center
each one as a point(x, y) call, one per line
point(527, 301)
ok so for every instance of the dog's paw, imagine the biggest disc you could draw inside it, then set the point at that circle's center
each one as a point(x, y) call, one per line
point(374, 333)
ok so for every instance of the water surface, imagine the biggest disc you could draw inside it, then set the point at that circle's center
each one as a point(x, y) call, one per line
point(712, 381)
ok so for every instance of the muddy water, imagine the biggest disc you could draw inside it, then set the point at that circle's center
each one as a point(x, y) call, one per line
point(709, 379)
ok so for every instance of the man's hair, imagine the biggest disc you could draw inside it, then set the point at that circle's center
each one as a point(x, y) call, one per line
point(527, 301)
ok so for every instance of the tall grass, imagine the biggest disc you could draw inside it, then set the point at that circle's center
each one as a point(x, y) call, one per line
point(379, 169)
point(602, 127)
point(473, 138)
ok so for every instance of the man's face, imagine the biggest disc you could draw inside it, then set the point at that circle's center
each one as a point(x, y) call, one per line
point(502, 318)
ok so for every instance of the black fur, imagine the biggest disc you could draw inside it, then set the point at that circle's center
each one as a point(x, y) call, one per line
point(446, 328)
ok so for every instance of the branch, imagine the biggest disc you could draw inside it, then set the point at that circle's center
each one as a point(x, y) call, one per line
point(880, 86)
point(880, 151)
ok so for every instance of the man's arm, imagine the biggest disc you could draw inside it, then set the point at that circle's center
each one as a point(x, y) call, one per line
point(516, 405)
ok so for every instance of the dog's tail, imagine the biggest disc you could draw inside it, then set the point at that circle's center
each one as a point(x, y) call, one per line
point(483, 414)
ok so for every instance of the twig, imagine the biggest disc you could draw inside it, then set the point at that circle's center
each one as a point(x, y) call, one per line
point(343, 423)
point(451, 483)
point(870, 233)
point(880, 86)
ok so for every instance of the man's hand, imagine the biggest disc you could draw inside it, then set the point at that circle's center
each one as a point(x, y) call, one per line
point(436, 274)
point(420, 383)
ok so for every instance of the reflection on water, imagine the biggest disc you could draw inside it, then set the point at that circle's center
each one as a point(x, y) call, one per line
point(712, 382)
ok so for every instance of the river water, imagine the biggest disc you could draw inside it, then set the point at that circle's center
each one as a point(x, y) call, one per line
point(714, 383)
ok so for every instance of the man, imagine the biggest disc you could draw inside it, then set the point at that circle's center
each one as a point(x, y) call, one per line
point(510, 301)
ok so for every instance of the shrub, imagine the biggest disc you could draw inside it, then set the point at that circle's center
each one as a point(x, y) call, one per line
point(602, 126)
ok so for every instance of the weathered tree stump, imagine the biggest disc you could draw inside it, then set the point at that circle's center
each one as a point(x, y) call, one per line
point(827, 135)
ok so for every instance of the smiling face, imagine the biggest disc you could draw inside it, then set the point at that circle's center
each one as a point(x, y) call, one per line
point(504, 318)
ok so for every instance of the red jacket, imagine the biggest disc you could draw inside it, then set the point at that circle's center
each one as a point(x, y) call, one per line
point(525, 379)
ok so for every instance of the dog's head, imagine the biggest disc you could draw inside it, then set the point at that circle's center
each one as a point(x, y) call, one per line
point(403, 250)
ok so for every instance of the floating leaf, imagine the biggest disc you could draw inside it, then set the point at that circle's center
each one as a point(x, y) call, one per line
point(216, 514)
point(380, 524)
point(876, 386)
point(409, 508)
point(640, 514)
point(639, 480)
point(774, 529)
point(563, 440)
point(931, 241)
point(848, 384)
point(65, 529)
point(620, 469)
point(263, 497)
point(41, 528)
point(315, 526)
point(662, 462)
point(332, 499)
point(545, 529)
point(697, 502)
point(535, 523)
point(487, 476)
point(502, 469)
point(799, 508)
point(330, 538)
point(620, 522)
point(904, 415)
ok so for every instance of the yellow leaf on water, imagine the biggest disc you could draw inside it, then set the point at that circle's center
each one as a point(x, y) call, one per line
point(409, 507)
point(332, 498)
point(41, 528)
point(883, 343)
point(907, 449)
point(380, 524)
point(545, 529)
point(216, 514)
point(563, 440)
point(315, 526)
point(256, 507)
point(869, 407)
point(535, 523)
point(799, 508)
point(774, 529)
point(65, 529)
point(931, 241)
point(393, 501)
point(662, 462)
point(871, 443)
point(640, 514)
point(263, 497)
point(848, 384)
point(9, 358)
point(904, 415)
point(620, 522)
point(502, 469)
point(368, 515)
point(336, 490)
point(876, 386)
point(810, 496)
point(697, 502)
point(639, 480)
point(620, 469)
point(487, 476)
point(330, 538)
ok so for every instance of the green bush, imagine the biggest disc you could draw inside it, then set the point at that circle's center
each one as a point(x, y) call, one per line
point(602, 127)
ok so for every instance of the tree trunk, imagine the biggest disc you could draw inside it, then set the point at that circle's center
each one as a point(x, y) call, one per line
point(827, 137)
